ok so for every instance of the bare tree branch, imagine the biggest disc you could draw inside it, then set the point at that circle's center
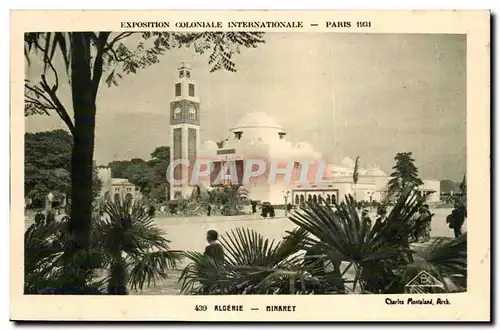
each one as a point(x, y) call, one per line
point(59, 107)
point(56, 85)
point(98, 63)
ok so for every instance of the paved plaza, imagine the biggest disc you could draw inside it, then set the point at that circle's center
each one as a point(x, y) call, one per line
point(188, 233)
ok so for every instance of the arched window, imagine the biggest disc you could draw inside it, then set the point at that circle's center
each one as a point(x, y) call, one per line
point(334, 198)
point(297, 199)
point(128, 198)
point(177, 113)
point(309, 198)
point(328, 201)
point(302, 199)
point(315, 198)
point(192, 113)
point(116, 198)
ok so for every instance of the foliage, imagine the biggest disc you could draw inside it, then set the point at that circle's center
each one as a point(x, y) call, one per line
point(355, 174)
point(125, 242)
point(85, 58)
point(45, 266)
point(135, 250)
point(463, 186)
point(341, 256)
point(405, 173)
point(149, 176)
point(160, 160)
point(136, 170)
point(114, 55)
point(47, 165)
point(253, 265)
point(228, 200)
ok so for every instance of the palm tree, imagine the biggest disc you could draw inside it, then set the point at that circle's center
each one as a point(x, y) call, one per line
point(341, 256)
point(46, 266)
point(124, 241)
point(253, 265)
point(230, 199)
point(135, 251)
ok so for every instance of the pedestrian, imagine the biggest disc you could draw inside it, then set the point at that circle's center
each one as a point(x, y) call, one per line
point(209, 210)
point(214, 248)
point(381, 214)
point(254, 207)
point(425, 220)
point(51, 217)
point(457, 220)
point(151, 211)
point(265, 210)
point(39, 217)
point(366, 220)
point(271, 211)
point(214, 251)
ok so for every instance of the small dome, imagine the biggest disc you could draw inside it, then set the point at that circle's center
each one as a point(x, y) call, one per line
point(257, 120)
point(209, 145)
point(376, 172)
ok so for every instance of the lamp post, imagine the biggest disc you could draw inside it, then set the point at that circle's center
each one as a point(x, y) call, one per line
point(285, 196)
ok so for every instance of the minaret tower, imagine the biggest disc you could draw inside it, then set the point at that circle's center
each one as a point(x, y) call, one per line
point(184, 128)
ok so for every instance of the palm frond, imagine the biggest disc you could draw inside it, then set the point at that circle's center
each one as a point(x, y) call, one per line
point(150, 267)
point(445, 259)
point(203, 275)
point(128, 226)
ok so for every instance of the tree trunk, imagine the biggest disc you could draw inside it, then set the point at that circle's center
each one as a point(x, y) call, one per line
point(117, 284)
point(82, 155)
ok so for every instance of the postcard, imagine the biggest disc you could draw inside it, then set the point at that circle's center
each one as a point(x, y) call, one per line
point(250, 166)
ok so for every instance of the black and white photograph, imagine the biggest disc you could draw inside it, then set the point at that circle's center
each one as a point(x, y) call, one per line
point(243, 162)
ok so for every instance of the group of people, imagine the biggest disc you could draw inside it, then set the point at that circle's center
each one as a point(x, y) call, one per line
point(367, 221)
point(268, 210)
point(420, 223)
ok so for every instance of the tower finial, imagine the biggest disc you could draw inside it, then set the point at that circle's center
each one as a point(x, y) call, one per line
point(185, 65)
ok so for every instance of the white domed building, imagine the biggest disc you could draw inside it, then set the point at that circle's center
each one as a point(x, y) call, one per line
point(257, 139)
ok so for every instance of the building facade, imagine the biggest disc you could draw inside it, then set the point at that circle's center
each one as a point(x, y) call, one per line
point(257, 136)
point(116, 189)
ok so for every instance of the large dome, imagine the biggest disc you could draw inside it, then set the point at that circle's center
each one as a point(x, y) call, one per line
point(257, 120)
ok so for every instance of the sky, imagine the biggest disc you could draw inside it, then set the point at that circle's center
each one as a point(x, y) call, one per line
point(367, 95)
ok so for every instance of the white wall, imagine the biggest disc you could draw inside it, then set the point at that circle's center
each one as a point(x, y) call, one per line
point(432, 185)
